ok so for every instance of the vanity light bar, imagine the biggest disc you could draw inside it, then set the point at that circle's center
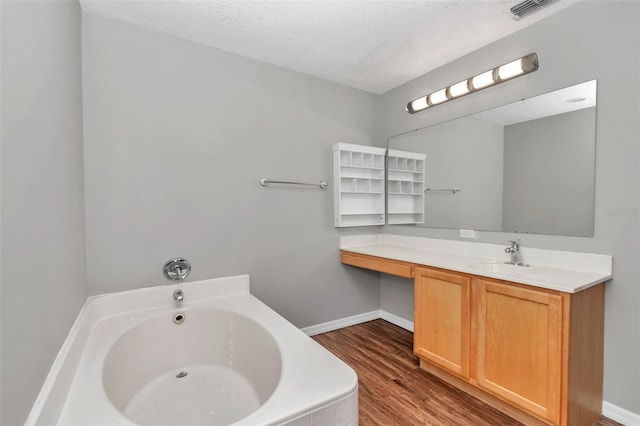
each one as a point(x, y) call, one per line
point(497, 75)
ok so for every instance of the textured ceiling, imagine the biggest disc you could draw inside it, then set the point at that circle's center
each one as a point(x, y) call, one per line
point(370, 45)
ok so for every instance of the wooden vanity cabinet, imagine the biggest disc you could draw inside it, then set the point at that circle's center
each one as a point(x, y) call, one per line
point(519, 346)
point(442, 319)
point(532, 352)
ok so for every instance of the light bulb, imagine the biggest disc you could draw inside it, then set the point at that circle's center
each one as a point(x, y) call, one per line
point(438, 97)
point(510, 70)
point(483, 80)
point(459, 89)
point(524, 65)
point(419, 104)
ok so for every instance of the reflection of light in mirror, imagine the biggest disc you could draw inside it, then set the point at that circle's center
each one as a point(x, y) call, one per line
point(459, 89)
point(483, 80)
point(510, 70)
point(438, 97)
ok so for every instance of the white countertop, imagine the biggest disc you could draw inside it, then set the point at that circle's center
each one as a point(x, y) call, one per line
point(564, 271)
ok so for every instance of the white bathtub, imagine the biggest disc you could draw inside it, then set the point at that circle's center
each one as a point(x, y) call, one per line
point(221, 357)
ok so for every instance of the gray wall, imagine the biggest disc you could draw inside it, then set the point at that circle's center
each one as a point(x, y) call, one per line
point(457, 153)
point(43, 252)
point(177, 136)
point(539, 195)
point(570, 51)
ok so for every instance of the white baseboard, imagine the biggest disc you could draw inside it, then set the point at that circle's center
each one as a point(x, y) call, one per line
point(394, 319)
point(340, 323)
point(620, 415)
point(357, 319)
point(609, 410)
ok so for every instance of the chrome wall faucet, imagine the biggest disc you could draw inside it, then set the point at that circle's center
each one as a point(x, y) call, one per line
point(177, 269)
point(178, 295)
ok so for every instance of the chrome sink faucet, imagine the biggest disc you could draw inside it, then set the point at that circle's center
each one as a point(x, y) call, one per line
point(514, 252)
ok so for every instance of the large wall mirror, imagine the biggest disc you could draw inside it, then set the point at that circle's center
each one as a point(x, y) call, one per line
point(524, 167)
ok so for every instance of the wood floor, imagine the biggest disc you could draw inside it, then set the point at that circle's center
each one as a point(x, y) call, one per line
point(395, 391)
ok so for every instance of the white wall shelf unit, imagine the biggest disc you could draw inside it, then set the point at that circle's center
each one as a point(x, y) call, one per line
point(405, 187)
point(358, 185)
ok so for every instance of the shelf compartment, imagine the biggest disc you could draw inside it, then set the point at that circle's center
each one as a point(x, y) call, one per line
point(402, 164)
point(405, 187)
point(359, 188)
point(400, 204)
point(408, 165)
point(392, 163)
point(361, 160)
point(363, 185)
point(361, 203)
point(345, 158)
point(362, 220)
point(348, 184)
point(408, 176)
point(393, 186)
point(359, 172)
point(368, 160)
point(377, 186)
point(403, 195)
point(357, 159)
point(405, 218)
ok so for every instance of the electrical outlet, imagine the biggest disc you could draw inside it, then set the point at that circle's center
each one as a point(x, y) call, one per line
point(467, 233)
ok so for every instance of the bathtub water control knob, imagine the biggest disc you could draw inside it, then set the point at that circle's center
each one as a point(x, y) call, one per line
point(178, 295)
point(176, 269)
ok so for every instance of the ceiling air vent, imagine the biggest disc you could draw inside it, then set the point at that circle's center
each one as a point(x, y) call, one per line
point(529, 7)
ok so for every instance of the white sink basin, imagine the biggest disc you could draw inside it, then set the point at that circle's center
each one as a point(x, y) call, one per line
point(505, 269)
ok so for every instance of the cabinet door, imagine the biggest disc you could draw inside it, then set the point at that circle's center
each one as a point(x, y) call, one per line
point(519, 346)
point(442, 319)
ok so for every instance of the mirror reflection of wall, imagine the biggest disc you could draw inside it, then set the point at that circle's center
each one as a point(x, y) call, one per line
point(457, 152)
point(523, 167)
point(549, 174)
